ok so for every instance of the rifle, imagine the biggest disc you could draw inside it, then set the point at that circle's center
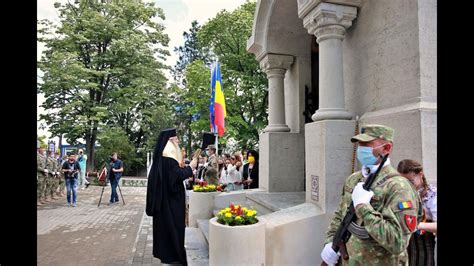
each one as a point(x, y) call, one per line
point(342, 234)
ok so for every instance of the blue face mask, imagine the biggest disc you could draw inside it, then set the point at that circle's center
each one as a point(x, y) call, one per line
point(207, 152)
point(366, 156)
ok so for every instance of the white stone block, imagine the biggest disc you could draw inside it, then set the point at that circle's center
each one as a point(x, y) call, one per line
point(329, 155)
point(295, 236)
point(237, 245)
point(224, 199)
point(281, 162)
point(201, 205)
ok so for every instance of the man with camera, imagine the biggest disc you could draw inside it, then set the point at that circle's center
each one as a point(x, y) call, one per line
point(115, 173)
point(70, 169)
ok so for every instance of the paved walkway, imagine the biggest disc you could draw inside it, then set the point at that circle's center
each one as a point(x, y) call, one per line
point(106, 235)
point(87, 234)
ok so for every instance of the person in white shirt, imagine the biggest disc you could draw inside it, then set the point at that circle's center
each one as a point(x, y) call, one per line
point(230, 176)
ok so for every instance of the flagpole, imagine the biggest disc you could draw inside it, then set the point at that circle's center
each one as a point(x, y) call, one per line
point(215, 131)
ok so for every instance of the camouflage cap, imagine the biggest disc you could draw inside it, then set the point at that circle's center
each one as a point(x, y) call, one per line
point(211, 147)
point(371, 132)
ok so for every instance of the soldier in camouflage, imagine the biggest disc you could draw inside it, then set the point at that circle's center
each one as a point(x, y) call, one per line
point(42, 175)
point(54, 181)
point(62, 181)
point(387, 215)
point(211, 171)
point(49, 179)
point(60, 176)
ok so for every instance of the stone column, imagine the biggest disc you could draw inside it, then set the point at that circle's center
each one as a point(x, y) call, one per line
point(328, 22)
point(275, 66)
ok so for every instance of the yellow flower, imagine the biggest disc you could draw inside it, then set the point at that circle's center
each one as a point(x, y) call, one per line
point(245, 209)
point(238, 218)
point(228, 215)
point(251, 213)
point(236, 206)
point(227, 209)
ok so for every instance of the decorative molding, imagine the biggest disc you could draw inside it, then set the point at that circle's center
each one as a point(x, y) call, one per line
point(329, 15)
point(410, 107)
point(276, 61)
point(329, 32)
point(305, 6)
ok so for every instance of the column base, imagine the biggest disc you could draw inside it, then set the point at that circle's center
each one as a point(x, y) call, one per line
point(331, 114)
point(277, 128)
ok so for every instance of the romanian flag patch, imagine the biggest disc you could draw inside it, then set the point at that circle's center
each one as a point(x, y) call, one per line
point(405, 205)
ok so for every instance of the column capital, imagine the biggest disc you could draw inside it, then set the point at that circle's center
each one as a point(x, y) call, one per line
point(276, 64)
point(334, 16)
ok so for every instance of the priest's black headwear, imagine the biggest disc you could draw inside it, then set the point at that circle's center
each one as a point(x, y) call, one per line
point(154, 192)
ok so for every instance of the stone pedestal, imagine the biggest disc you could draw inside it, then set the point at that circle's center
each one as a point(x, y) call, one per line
point(236, 245)
point(329, 155)
point(295, 236)
point(281, 162)
point(201, 205)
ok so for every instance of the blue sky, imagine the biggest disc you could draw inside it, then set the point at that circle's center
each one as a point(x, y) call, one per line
point(179, 14)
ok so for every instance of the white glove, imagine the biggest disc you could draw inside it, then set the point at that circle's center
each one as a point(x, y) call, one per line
point(329, 255)
point(360, 195)
point(46, 171)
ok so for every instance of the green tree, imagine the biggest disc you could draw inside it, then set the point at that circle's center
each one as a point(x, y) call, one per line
point(244, 83)
point(102, 68)
point(193, 103)
point(42, 141)
point(191, 50)
point(114, 139)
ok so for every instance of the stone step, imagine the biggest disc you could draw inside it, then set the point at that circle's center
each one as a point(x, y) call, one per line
point(203, 225)
point(261, 209)
point(275, 201)
point(197, 249)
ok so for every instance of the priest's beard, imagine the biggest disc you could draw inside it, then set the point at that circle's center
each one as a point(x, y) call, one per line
point(172, 150)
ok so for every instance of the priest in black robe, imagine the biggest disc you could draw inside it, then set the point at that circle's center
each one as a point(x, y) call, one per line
point(165, 199)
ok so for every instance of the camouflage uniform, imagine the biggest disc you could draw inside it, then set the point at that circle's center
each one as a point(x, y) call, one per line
point(49, 179)
point(60, 179)
point(211, 170)
point(54, 181)
point(385, 220)
point(41, 176)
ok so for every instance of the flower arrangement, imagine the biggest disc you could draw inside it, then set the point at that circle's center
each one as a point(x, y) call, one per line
point(204, 187)
point(237, 215)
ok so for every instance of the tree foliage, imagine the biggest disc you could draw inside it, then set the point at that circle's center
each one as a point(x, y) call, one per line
point(103, 68)
point(244, 84)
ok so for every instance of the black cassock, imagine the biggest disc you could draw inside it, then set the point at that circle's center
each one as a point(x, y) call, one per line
point(169, 216)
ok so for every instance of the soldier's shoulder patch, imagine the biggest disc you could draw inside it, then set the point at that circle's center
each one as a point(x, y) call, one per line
point(410, 220)
point(403, 205)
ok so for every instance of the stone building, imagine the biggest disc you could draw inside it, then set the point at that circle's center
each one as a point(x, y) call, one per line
point(331, 65)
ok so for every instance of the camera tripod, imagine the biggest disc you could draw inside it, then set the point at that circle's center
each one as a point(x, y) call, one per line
point(103, 187)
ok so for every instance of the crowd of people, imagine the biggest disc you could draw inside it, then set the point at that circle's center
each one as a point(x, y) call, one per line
point(234, 171)
point(55, 174)
point(410, 200)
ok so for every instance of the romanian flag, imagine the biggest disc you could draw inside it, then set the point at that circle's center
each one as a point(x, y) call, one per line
point(217, 106)
point(405, 205)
